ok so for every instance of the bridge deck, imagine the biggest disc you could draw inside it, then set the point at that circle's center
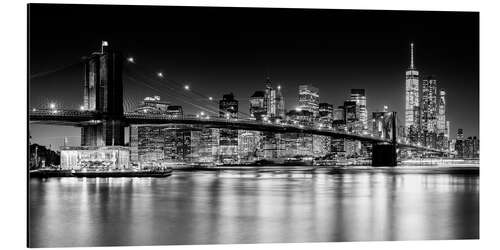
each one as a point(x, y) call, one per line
point(82, 118)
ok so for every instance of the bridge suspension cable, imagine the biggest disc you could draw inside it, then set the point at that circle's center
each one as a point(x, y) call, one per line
point(56, 70)
point(178, 88)
point(173, 96)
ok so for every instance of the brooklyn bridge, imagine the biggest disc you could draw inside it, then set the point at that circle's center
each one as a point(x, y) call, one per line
point(102, 118)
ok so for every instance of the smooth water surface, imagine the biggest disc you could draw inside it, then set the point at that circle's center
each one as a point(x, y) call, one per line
point(232, 206)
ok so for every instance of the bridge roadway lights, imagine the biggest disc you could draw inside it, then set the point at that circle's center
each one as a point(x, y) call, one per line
point(384, 155)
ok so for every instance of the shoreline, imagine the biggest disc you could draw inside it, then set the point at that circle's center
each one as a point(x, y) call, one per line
point(468, 169)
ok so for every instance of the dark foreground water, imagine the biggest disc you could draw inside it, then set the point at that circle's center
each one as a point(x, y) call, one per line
point(230, 206)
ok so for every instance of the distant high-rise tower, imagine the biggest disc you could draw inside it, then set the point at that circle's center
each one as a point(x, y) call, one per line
point(412, 107)
point(429, 104)
point(309, 99)
point(441, 113)
point(274, 101)
point(358, 96)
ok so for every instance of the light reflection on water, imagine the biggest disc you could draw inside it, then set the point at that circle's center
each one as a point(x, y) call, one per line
point(255, 206)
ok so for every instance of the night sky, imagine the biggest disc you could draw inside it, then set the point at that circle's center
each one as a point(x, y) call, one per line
point(222, 50)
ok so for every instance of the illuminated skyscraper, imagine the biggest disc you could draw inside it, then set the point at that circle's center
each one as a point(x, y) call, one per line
point(441, 113)
point(274, 101)
point(309, 99)
point(412, 107)
point(429, 104)
point(358, 96)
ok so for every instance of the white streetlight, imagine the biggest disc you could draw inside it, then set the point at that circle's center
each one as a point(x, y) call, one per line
point(82, 108)
point(186, 87)
point(130, 60)
point(210, 98)
point(52, 105)
point(159, 74)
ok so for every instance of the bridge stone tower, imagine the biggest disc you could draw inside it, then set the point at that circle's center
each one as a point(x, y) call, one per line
point(384, 154)
point(103, 94)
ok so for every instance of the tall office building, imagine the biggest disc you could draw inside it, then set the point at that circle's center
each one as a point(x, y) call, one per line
point(441, 112)
point(309, 99)
point(429, 104)
point(274, 101)
point(412, 107)
point(359, 96)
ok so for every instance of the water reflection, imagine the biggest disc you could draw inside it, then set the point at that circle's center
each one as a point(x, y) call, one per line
point(255, 206)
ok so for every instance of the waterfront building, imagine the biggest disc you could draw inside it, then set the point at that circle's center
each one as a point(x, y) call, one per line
point(228, 146)
point(159, 144)
point(249, 146)
point(321, 145)
point(93, 157)
point(272, 145)
point(352, 148)
point(412, 104)
point(177, 143)
point(258, 106)
point(337, 147)
point(205, 145)
point(359, 97)
point(296, 145)
point(309, 99)
point(470, 148)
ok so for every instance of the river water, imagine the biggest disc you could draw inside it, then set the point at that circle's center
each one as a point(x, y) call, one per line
point(256, 206)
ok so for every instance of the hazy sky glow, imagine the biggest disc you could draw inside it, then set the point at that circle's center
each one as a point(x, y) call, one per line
point(221, 50)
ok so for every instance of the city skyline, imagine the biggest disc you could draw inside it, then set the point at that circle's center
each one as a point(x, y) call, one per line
point(219, 77)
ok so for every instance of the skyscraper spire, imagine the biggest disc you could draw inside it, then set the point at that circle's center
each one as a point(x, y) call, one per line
point(411, 56)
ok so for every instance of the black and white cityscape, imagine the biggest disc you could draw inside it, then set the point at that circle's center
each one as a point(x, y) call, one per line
point(158, 125)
